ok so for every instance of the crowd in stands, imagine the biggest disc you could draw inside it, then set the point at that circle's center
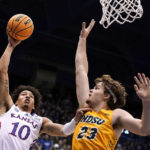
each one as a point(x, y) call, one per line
point(133, 142)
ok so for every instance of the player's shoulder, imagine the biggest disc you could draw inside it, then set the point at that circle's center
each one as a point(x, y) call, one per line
point(119, 113)
point(46, 120)
point(117, 110)
point(13, 108)
point(36, 117)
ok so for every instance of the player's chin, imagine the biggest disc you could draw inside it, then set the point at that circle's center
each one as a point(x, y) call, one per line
point(88, 104)
point(26, 105)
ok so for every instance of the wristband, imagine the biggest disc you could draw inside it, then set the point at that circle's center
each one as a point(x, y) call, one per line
point(69, 127)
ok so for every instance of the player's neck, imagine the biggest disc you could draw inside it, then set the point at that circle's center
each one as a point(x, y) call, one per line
point(25, 109)
point(104, 105)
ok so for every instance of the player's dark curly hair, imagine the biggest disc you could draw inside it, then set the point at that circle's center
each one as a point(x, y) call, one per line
point(36, 93)
point(118, 90)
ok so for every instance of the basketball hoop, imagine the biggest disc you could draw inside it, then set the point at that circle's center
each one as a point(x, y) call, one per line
point(120, 11)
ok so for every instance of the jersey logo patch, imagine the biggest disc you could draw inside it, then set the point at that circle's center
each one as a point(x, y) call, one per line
point(16, 109)
point(107, 114)
point(92, 119)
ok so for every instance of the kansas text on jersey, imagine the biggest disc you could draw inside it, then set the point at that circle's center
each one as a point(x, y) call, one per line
point(18, 129)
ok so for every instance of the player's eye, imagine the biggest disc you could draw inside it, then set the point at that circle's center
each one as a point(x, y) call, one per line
point(31, 96)
point(96, 88)
point(23, 94)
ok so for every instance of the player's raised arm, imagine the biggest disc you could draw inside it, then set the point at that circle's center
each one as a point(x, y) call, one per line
point(81, 64)
point(4, 81)
point(126, 120)
point(142, 88)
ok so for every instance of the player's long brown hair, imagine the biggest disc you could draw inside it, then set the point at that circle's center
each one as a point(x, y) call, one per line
point(36, 93)
point(117, 88)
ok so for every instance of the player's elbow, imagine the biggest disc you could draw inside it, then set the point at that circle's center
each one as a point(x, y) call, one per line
point(62, 134)
point(79, 68)
point(3, 70)
point(145, 131)
point(81, 71)
point(144, 134)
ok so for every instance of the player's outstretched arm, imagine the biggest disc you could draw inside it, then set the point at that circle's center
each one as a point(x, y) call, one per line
point(55, 129)
point(126, 120)
point(4, 63)
point(81, 64)
point(142, 88)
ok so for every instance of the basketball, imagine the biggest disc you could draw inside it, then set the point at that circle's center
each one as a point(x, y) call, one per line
point(20, 27)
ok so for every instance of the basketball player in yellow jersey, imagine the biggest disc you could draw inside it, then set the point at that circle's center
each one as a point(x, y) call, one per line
point(100, 128)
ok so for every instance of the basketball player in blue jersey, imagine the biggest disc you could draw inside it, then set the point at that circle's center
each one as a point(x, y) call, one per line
point(101, 128)
point(19, 126)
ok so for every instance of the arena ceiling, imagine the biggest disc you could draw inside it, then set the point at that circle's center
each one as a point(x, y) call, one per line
point(121, 50)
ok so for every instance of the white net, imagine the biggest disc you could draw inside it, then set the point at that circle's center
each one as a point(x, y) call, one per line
point(120, 11)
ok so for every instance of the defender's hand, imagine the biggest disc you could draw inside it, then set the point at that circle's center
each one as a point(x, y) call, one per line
point(142, 86)
point(80, 113)
point(85, 31)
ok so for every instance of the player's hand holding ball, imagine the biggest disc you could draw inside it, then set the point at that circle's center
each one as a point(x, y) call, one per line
point(20, 27)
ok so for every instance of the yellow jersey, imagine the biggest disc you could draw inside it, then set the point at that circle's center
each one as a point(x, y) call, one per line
point(95, 132)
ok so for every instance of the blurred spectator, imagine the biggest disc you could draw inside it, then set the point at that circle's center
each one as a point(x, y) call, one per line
point(56, 146)
point(119, 147)
point(37, 146)
point(46, 143)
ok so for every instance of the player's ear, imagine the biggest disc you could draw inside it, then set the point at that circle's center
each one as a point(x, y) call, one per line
point(33, 107)
point(16, 103)
point(106, 96)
